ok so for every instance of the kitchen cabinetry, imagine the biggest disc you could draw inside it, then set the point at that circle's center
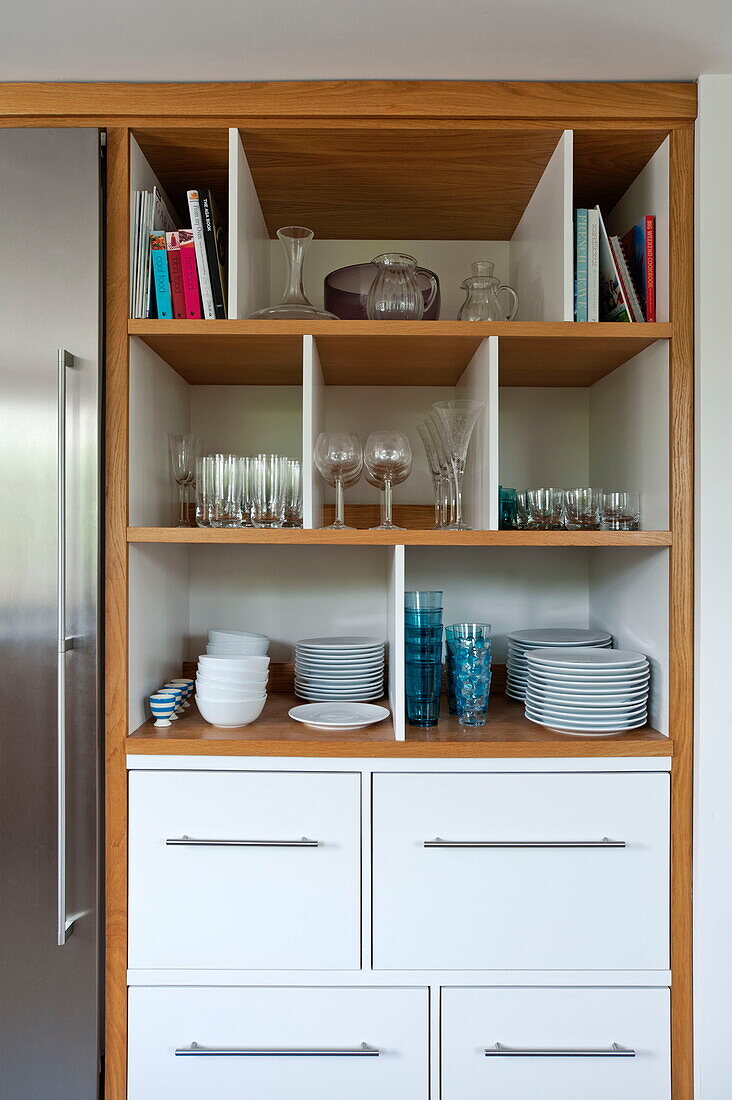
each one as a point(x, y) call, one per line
point(500, 168)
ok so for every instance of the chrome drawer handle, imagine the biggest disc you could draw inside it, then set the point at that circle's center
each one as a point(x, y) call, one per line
point(364, 1051)
point(614, 1051)
point(438, 842)
point(194, 842)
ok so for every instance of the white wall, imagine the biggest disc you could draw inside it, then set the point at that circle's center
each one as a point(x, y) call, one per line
point(713, 761)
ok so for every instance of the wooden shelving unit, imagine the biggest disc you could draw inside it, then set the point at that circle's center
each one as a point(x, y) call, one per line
point(396, 353)
point(278, 536)
point(508, 734)
point(464, 162)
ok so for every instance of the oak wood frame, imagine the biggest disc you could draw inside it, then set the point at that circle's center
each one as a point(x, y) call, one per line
point(586, 106)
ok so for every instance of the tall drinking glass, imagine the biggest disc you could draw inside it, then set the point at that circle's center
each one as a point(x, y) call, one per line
point(268, 491)
point(225, 509)
point(469, 649)
point(204, 491)
point(457, 420)
point(293, 493)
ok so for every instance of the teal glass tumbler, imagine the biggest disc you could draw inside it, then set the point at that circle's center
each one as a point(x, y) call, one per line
point(468, 671)
point(428, 600)
point(423, 688)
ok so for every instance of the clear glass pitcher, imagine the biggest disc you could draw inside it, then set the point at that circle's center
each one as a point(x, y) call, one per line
point(395, 294)
point(482, 296)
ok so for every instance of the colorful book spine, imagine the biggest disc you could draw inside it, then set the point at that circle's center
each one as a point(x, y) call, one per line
point(593, 265)
point(199, 239)
point(215, 251)
point(649, 225)
point(580, 264)
point(626, 280)
point(612, 301)
point(175, 271)
point(161, 280)
point(189, 271)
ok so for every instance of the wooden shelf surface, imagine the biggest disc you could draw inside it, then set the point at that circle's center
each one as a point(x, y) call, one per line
point(247, 536)
point(507, 733)
point(394, 353)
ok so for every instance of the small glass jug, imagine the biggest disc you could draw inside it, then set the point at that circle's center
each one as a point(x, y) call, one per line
point(482, 290)
point(395, 294)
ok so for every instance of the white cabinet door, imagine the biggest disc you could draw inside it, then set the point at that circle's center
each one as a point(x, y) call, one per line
point(278, 1044)
point(279, 887)
point(565, 1026)
point(539, 906)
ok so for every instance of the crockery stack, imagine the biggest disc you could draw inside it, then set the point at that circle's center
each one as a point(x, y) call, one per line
point(231, 682)
point(339, 669)
point(423, 656)
point(522, 642)
point(587, 691)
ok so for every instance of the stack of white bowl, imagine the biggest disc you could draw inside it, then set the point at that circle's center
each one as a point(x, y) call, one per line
point(522, 642)
point(588, 691)
point(339, 669)
point(231, 681)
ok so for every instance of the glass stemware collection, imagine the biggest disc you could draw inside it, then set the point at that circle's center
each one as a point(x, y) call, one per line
point(386, 458)
point(446, 436)
point(184, 451)
point(263, 490)
point(583, 509)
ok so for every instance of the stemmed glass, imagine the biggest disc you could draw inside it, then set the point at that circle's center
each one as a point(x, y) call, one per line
point(456, 421)
point(439, 468)
point(184, 451)
point(388, 460)
point(339, 458)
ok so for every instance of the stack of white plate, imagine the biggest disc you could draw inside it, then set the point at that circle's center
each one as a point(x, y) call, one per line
point(339, 669)
point(522, 642)
point(586, 690)
point(236, 643)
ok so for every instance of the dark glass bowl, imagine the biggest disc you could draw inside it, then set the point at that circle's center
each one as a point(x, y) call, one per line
point(346, 290)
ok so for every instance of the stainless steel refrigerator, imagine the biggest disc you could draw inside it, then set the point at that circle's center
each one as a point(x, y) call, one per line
point(51, 204)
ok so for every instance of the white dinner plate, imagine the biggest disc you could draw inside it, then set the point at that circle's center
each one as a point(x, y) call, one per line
point(561, 635)
point(342, 666)
point(588, 657)
point(582, 731)
point(588, 714)
point(611, 679)
point(339, 715)
point(349, 641)
point(611, 721)
point(347, 689)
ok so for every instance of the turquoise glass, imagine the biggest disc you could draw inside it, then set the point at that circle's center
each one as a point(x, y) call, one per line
point(469, 671)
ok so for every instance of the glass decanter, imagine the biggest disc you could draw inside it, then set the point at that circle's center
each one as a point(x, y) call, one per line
point(482, 290)
point(294, 305)
point(395, 294)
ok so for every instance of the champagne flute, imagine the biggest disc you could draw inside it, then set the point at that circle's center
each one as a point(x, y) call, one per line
point(433, 462)
point(183, 451)
point(388, 460)
point(339, 459)
point(457, 419)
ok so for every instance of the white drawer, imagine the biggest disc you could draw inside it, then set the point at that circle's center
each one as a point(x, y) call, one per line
point(569, 1023)
point(534, 907)
point(252, 905)
point(279, 1043)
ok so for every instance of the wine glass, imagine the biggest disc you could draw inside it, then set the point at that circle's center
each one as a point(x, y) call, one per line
point(438, 480)
point(457, 419)
point(339, 458)
point(388, 460)
point(447, 488)
point(184, 451)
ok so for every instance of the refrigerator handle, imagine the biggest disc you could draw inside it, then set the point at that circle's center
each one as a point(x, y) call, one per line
point(65, 924)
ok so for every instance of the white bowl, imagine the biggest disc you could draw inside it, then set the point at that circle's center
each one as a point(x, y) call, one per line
point(231, 665)
point(223, 635)
point(216, 695)
point(247, 649)
point(230, 715)
point(235, 682)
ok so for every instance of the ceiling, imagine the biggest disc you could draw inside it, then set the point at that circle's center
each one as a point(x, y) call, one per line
point(189, 40)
